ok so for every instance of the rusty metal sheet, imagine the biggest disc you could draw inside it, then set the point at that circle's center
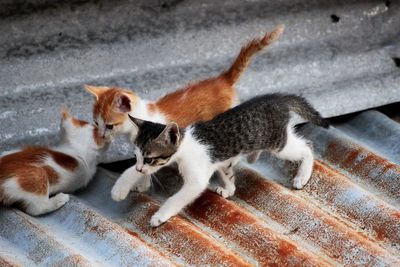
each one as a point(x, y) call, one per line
point(340, 218)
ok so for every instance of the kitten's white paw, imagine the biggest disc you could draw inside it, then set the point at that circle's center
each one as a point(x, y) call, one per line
point(157, 219)
point(143, 185)
point(297, 183)
point(140, 188)
point(223, 192)
point(61, 199)
point(119, 192)
point(300, 181)
point(305, 180)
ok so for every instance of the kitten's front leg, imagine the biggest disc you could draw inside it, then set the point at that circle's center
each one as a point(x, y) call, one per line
point(187, 194)
point(124, 183)
point(143, 184)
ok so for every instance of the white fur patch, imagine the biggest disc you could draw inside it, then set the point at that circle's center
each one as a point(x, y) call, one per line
point(297, 149)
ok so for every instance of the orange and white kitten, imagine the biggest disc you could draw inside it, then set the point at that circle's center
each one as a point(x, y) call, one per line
point(31, 175)
point(199, 101)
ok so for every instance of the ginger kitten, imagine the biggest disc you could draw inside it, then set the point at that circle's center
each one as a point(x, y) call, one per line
point(199, 101)
point(31, 175)
point(263, 123)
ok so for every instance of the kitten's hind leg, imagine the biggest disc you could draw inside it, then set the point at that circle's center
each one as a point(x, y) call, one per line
point(229, 188)
point(253, 156)
point(228, 177)
point(297, 149)
point(33, 193)
point(38, 205)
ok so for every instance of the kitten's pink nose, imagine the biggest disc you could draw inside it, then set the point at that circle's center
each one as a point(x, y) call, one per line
point(139, 168)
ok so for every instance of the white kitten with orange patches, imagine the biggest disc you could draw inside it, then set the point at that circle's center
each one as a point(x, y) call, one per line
point(31, 175)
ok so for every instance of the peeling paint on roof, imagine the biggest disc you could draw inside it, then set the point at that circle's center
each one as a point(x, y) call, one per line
point(341, 55)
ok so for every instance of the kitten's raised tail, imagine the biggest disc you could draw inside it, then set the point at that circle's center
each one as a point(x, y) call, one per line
point(248, 51)
point(302, 107)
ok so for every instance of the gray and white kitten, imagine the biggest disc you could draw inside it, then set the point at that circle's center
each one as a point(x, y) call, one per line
point(261, 123)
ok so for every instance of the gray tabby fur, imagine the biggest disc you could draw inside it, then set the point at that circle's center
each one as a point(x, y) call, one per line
point(257, 124)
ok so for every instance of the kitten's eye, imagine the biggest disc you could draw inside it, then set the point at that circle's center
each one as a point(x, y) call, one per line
point(96, 123)
point(109, 126)
point(148, 160)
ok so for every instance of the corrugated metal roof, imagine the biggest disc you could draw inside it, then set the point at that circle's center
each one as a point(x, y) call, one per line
point(338, 54)
point(348, 214)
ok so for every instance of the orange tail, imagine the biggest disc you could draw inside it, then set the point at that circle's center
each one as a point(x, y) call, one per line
point(248, 51)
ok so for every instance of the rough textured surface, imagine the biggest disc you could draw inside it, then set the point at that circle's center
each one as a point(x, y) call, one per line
point(348, 214)
point(338, 54)
point(341, 55)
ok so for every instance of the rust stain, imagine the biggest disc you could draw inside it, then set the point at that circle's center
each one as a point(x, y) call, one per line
point(388, 167)
point(380, 235)
point(92, 225)
point(321, 168)
point(100, 231)
point(136, 235)
point(242, 228)
point(351, 157)
point(314, 225)
point(380, 172)
point(180, 238)
point(382, 221)
point(7, 263)
point(363, 166)
point(332, 146)
point(286, 249)
point(397, 215)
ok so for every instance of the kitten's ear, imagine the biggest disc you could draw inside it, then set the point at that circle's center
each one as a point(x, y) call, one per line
point(174, 133)
point(136, 121)
point(170, 135)
point(96, 90)
point(66, 120)
point(65, 114)
point(122, 103)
